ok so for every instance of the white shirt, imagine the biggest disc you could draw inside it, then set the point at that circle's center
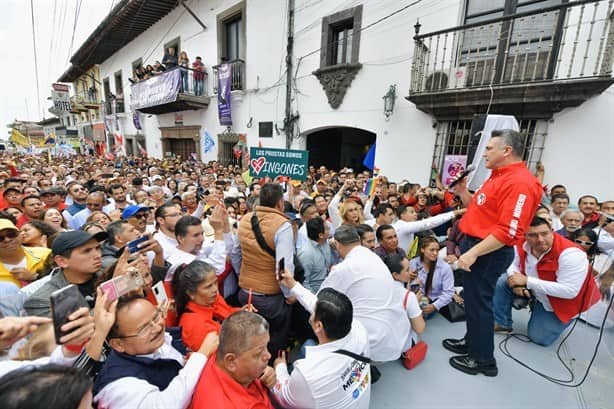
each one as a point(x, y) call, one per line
point(129, 392)
point(573, 267)
point(605, 241)
point(325, 379)
point(412, 309)
point(405, 230)
point(367, 282)
point(212, 253)
point(556, 221)
point(168, 244)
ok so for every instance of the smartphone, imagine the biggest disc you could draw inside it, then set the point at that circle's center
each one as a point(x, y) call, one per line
point(281, 266)
point(159, 292)
point(414, 286)
point(133, 246)
point(64, 302)
point(122, 285)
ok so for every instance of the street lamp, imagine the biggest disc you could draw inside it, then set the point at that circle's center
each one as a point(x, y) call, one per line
point(389, 101)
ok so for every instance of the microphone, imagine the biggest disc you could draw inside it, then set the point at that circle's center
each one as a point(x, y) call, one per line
point(463, 175)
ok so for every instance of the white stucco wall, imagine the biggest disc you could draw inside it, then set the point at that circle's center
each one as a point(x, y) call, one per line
point(577, 147)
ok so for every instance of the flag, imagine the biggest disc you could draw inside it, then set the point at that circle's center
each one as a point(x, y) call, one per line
point(142, 150)
point(412, 251)
point(371, 184)
point(208, 142)
point(369, 160)
point(18, 139)
point(246, 177)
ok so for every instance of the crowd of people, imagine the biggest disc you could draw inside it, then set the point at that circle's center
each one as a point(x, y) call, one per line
point(239, 292)
point(171, 61)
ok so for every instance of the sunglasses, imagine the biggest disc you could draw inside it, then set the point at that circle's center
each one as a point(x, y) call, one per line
point(584, 243)
point(140, 216)
point(11, 234)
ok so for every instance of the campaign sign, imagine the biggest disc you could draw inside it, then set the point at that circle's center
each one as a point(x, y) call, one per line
point(278, 162)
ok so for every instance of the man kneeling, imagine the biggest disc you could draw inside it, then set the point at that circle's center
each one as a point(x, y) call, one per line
point(554, 273)
point(238, 375)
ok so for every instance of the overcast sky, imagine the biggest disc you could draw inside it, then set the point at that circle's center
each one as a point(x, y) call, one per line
point(54, 21)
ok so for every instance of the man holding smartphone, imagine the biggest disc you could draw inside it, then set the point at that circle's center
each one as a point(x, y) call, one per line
point(78, 257)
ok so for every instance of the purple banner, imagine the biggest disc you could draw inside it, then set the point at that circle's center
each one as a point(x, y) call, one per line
point(158, 90)
point(224, 75)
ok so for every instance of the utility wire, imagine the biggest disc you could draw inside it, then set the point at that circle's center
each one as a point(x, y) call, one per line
point(386, 17)
point(38, 94)
point(74, 28)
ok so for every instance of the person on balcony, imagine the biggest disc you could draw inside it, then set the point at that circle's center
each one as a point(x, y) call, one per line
point(170, 59)
point(199, 76)
point(184, 64)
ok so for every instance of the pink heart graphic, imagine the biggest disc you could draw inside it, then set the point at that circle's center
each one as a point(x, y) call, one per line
point(258, 164)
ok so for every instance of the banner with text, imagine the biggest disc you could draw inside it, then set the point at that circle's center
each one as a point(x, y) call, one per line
point(158, 90)
point(278, 162)
point(224, 83)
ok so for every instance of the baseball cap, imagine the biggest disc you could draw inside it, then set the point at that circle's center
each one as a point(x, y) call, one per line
point(11, 189)
point(321, 181)
point(157, 177)
point(72, 239)
point(132, 210)
point(6, 224)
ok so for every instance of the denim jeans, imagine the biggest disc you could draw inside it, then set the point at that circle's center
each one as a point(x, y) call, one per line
point(198, 87)
point(184, 80)
point(544, 326)
point(478, 290)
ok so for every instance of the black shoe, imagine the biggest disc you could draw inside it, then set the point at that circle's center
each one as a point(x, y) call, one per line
point(468, 365)
point(375, 374)
point(458, 346)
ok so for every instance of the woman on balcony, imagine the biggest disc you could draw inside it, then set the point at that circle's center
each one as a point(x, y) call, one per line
point(184, 64)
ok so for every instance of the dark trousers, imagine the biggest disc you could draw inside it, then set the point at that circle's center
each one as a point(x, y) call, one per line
point(478, 290)
point(277, 313)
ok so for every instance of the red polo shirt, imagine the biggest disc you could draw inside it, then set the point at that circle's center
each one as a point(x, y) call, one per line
point(504, 205)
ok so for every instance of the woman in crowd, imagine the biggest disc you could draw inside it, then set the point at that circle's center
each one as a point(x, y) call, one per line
point(172, 186)
point(53, 217)
point(100, 218)
point(14, 211)
point(587, 239)
point(35, 233)
point(399, 268)
point(435, 277)
point(92, 228)
point(199, 305)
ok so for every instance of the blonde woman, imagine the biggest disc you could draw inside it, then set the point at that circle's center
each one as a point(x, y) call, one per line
point(184, 62)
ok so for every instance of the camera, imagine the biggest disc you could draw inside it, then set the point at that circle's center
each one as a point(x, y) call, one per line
point(520, 303)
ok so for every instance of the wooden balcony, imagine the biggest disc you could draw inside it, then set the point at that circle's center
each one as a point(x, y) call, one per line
point(532, 64)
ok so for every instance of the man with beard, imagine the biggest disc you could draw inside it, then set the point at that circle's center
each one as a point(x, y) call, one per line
point(166, 219)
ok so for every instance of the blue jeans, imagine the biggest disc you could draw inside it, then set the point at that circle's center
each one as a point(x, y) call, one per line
point(184, 80)
point(478, 289)
point(544, 326)
point(198, 87)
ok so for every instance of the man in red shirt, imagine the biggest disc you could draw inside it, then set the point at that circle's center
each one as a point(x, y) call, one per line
point(498, 215)
point(238, 375)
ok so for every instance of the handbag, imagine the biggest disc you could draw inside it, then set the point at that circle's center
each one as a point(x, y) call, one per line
point(416, 354)
point(453, 312)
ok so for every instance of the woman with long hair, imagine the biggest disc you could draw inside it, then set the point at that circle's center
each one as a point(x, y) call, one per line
point(99, 217)
point(200, 307)
point(436, 277)
point(35, 233)
point(54, 218)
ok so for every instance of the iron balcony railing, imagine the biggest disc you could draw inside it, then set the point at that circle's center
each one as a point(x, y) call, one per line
point(574, 40)
point(119, 106)
point(237, 81)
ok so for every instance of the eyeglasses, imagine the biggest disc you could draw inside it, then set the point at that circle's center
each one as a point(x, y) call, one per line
point(140, 216)
point(11, 234)
point(584, 243)
point(151, 325)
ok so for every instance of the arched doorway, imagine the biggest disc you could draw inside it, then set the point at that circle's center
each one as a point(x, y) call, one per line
point(339, 147)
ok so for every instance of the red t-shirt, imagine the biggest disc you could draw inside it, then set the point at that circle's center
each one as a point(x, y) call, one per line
point(504, 205)
point(216, 389)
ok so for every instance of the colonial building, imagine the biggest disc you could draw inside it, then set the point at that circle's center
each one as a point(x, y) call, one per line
point(408, 76)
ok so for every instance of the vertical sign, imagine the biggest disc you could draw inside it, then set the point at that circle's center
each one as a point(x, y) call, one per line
point(224, 78)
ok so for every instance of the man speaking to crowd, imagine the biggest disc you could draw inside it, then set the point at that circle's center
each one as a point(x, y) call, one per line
point(498, 215)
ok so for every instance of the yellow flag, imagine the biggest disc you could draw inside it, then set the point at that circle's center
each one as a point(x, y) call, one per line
point(247, 178)
point(18, 139)
point(413, 248)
